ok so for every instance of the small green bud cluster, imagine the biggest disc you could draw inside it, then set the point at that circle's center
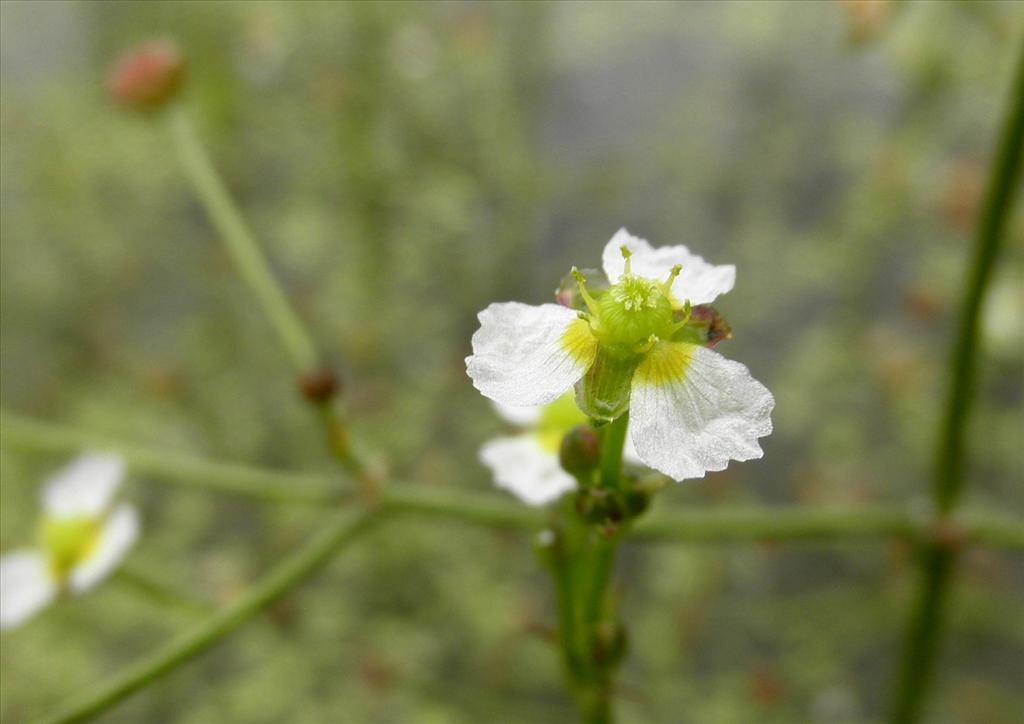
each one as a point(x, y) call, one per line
point(610, 509)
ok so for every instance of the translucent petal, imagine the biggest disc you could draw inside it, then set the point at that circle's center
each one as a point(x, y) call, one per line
point(529, 355)
point(120, 530)
point(83, 488)
point(523, 467)
point(692, 410)
point(699, 282)
point(25, 586)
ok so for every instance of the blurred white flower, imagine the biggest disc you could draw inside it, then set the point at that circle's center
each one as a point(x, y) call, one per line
point(527, 464)
point(82, 539)
point(691, 410)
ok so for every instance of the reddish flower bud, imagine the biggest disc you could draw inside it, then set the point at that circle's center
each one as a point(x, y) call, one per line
point(580, 451)
point(568, 294)
point(319, 386)
point(146, 77)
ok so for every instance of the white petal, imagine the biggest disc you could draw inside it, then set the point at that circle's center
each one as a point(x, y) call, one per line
point(84, 487)
point(629, 454)
point(529, 355)
point(25, 586)
point(699, 281)
point(521, 416)
point(521, 466)
point(692, 410)
point(119, 532)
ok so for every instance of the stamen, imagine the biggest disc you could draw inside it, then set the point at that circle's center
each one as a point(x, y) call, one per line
point(581, 284)
point(626, 253)
point(687, 313)
point(667, 286)
point(645, 347)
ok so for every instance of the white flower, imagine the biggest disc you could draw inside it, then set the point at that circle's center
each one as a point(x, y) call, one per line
point(82, 537)
point(527, 464)
point(691, 410)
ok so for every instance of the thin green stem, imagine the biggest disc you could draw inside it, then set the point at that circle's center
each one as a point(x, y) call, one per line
point(144, 583)
point(477, 508)
point(285, 576)
point(259, 483)
point(231, 226)
point(752, 524)
point(938, 562)
point(613, 439)
point(705, 525)
point(254, 269)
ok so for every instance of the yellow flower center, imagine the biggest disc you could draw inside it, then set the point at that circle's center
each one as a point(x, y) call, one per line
point(68, 542)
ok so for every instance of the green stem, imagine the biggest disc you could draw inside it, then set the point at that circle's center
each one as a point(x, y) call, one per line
point(258, 483)
point(240, 243)
point(706, 525)
point(144, 583)
point(483, 509)
point(613, 439)
point(290, 572)
point(254, 269)
point(939, 563)
point(764, 523)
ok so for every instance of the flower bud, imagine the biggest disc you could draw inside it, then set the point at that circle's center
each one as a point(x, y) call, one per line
point(320, 385)
point(146, 77)
point(580, 451)
point(568, 294)
point(707, 327)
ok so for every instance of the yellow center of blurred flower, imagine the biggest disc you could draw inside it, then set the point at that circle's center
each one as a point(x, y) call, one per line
point(68, 542)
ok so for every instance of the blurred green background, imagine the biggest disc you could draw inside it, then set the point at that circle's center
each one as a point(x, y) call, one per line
point(404, 165)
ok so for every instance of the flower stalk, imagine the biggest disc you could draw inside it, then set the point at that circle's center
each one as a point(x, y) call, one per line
point(582, 566)
point(938, 557)
point(252, 265)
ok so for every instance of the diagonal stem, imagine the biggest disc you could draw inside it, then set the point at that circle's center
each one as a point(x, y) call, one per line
point(240, 243)
point(289, 573)
point(939, 560)
point(254, 269)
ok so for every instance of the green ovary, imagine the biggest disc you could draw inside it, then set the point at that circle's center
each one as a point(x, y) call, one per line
point(68, 542)
point(631, 312)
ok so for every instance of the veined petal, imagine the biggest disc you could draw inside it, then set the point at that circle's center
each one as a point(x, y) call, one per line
point(120, 530)
point(517, 415)
point(83, 488)
point(25, 586)
point(529, 355)
point(525, 468)
point(692, 410)
point(699, 281)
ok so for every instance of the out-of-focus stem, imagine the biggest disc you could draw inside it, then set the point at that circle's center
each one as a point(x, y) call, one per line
point(23, 433)
point(938, 560)
point(290, 572)
point(254, 269)
point(144, 583)
point(248, 257)
point(701, 526)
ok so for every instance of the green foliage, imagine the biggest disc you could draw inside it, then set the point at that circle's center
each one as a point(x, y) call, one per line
point(405, 164)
